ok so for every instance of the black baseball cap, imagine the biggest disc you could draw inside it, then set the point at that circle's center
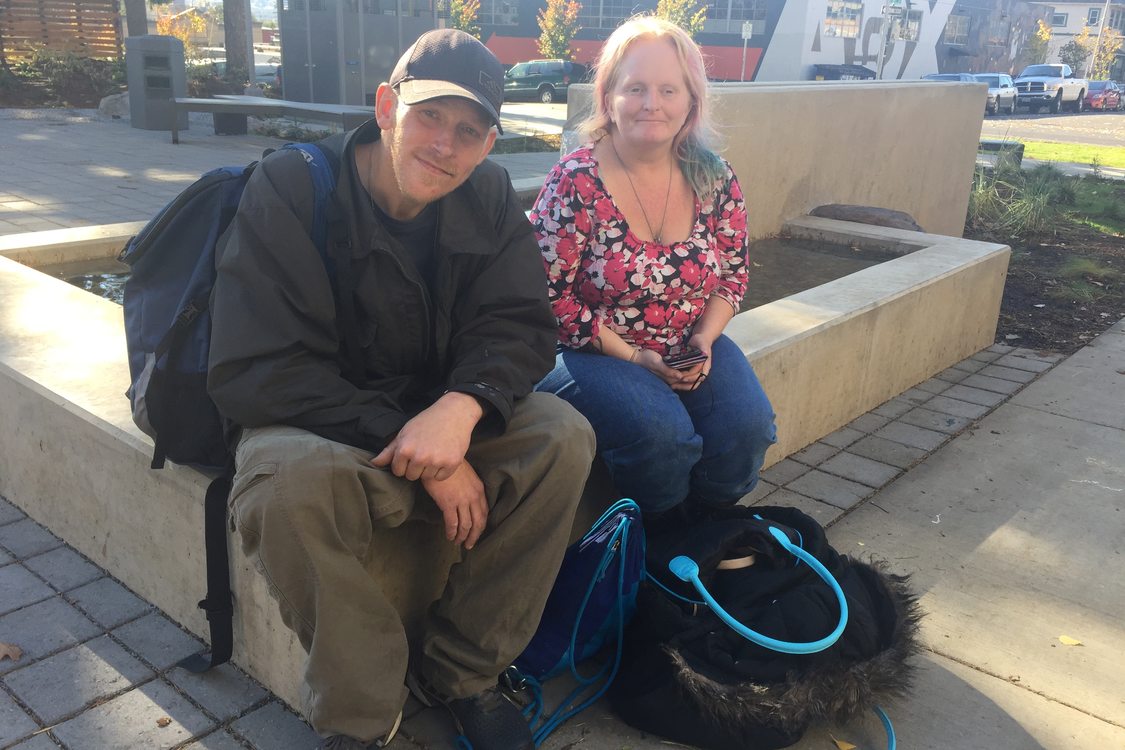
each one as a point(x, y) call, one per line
point(449, 62)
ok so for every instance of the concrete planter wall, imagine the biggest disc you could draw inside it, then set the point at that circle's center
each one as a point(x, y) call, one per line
point(71, 457)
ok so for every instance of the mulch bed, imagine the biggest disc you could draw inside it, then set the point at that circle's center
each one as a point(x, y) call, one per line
point(1040, 309)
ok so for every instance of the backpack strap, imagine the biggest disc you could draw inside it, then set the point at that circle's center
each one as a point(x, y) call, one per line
point(332, 237)
point(324, 173)
point(219, 602)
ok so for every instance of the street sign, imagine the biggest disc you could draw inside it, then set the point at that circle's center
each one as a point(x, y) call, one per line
point(747, 29)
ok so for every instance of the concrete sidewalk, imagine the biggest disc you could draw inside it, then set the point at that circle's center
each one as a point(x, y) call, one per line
point(999, 484)
point(71, 168)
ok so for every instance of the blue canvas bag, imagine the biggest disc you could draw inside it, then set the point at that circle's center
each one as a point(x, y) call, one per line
point(593, 599)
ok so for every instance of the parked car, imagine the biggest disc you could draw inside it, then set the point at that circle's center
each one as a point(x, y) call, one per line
point(1052, 86)
point(1105, 95)
point(964, 77)
point(542, 80)
point(266, 74)
point(1001, 92)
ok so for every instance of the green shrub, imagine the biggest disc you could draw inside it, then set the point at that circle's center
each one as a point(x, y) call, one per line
point(72, 79)
point(986, 203)
point(1014, 202)
point(290, 131)
point(1030, 211)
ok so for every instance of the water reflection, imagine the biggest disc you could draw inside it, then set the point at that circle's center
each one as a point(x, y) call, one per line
point(105, 278)
point(110, 286)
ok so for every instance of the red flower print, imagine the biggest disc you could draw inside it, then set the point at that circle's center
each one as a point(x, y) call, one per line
point(655, 315)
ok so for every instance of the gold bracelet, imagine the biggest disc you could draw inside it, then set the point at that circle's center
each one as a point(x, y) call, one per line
point(634, 355)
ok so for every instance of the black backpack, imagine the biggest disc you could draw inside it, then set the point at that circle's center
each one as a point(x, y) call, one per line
point(168, 334)
point(688, 676)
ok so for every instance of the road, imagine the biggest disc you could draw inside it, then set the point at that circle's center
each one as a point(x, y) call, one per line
point(1095, 128)
point(528, 118)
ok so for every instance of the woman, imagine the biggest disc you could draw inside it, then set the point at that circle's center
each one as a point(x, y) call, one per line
point(643, 233)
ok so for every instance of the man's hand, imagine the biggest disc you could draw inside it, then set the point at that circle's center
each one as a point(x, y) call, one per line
point(432, 445)
point(463, 504)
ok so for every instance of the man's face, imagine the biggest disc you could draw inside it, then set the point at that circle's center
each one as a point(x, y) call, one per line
point(434, 145)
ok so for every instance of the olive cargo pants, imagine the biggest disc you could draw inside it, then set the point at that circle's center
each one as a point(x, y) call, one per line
point(306, 507)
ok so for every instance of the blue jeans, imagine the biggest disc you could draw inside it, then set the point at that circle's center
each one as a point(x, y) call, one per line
point(662, 446)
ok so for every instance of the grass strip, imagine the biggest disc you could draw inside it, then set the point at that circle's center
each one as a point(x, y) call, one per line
point(1100, 204)
point(1077, 153)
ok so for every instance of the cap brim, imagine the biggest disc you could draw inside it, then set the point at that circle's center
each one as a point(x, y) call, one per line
point(415, 91)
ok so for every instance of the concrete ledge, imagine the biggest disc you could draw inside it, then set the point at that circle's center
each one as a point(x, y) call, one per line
point(72, 459)
point(66, 245)
point(830, 354)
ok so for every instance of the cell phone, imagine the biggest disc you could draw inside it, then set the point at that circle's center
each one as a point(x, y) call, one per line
point(689, 357)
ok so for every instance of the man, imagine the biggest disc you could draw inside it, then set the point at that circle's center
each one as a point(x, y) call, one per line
point(426, 414)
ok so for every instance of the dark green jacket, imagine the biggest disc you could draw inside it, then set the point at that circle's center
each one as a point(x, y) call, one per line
point(485, 328)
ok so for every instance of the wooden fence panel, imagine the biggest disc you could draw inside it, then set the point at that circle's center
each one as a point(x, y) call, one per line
point(91, 28)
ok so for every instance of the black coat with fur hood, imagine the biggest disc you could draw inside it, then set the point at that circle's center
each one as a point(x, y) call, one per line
point(690, 678)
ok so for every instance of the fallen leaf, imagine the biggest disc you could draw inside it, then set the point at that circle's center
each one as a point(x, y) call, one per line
point(8, 651)
point(163, 721)
point(842, 744)
point(1066, 640)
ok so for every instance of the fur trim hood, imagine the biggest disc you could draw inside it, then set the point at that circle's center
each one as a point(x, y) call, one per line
point(834, 691)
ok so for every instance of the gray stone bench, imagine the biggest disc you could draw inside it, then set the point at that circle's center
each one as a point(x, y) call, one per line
point(231, 110)
point(999, 147)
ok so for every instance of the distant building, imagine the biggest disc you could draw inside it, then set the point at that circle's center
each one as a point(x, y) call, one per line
point(930, 36)
point(1068, 18)
point(340, 50)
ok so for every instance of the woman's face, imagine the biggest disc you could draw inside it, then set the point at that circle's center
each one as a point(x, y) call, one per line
point(650, 101)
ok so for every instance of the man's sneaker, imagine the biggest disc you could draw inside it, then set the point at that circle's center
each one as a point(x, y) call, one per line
point(488, 720)
point(342, 742)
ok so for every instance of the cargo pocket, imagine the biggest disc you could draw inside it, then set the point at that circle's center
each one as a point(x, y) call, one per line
point(249, 489)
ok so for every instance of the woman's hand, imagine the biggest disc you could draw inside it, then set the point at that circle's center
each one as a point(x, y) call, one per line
point(695, 376)
point(654, 363)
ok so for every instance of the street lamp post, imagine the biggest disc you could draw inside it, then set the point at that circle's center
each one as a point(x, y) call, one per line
point(1097, 45)
point(891, 11)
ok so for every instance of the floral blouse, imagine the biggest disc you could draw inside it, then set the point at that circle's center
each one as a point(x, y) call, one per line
point(600, 274)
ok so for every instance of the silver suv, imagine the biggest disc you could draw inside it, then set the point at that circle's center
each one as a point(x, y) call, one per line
point(1001, 92)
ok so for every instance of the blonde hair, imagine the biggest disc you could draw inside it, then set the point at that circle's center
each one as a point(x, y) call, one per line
point(698, 161)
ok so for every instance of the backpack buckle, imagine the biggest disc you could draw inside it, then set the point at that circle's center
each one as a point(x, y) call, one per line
point(512, 680)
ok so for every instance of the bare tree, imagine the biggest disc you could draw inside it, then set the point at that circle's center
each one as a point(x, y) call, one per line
point(136, 17)
point(236, 27)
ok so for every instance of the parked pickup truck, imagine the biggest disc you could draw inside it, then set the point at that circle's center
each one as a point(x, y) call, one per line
point(1051, 86)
